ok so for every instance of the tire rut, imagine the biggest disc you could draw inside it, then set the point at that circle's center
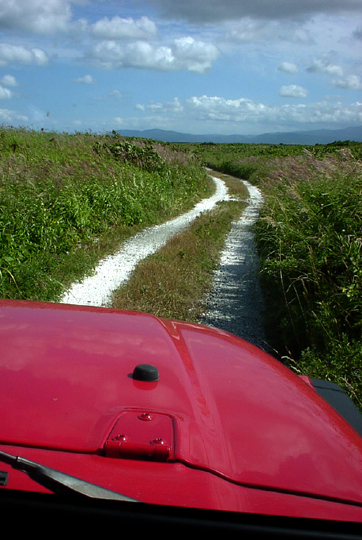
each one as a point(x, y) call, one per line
point(235, 303)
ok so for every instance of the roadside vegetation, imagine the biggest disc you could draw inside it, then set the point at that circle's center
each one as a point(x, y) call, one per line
point(66, 200)
point(309, 238)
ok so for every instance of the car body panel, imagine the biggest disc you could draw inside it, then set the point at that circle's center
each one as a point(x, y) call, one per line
point(174, 484)
point(243, 431)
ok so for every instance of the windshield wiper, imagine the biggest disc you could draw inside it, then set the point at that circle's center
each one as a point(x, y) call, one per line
point(57, 481)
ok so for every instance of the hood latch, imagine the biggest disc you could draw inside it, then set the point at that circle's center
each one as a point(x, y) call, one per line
point(141, 435)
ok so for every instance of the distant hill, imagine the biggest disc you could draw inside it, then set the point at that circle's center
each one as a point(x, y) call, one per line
point(321, 136)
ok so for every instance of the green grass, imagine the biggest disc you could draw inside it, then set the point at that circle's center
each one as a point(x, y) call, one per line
point(67, 199)
point(310, 242)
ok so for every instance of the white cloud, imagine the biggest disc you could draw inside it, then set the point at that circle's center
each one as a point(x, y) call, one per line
point(326, 68)
point(5, 93)
point(115, 93)
point(194, 55)
point(118, 28)
point(293, 91)
point(234, 113)
point(170, 107)
point(36, 16)
point(8, 80)
point(140, 54)
point(9, 116)
point(230, 110)
point(352, 82)
point(261, 41)
point(87, 79)
point(249, 30)
point(288, 67)
point(264, 31)
point(206, 11)
point(40, 57)
point(184, 54)
point(17, 53)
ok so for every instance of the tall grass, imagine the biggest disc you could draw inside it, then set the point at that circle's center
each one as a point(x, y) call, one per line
point(310, 245)
point(59, 193)
point(310, 242)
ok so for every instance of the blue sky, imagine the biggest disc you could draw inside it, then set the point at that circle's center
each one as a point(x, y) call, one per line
point(196, 66)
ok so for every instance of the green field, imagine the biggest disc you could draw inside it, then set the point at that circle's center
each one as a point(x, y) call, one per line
point(66, 200)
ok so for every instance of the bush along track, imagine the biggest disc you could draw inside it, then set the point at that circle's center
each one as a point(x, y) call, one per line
point(66, 200)
point(309, 240)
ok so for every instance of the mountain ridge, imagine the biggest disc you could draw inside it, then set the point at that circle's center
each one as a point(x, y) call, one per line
point(320, 136)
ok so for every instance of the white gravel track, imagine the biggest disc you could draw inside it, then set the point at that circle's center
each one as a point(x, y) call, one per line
point(235, 303)
point(115, 270)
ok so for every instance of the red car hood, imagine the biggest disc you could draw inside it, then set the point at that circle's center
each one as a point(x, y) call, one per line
point(220, 404)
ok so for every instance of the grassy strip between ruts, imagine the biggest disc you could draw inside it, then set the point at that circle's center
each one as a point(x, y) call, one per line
point(172, 282)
